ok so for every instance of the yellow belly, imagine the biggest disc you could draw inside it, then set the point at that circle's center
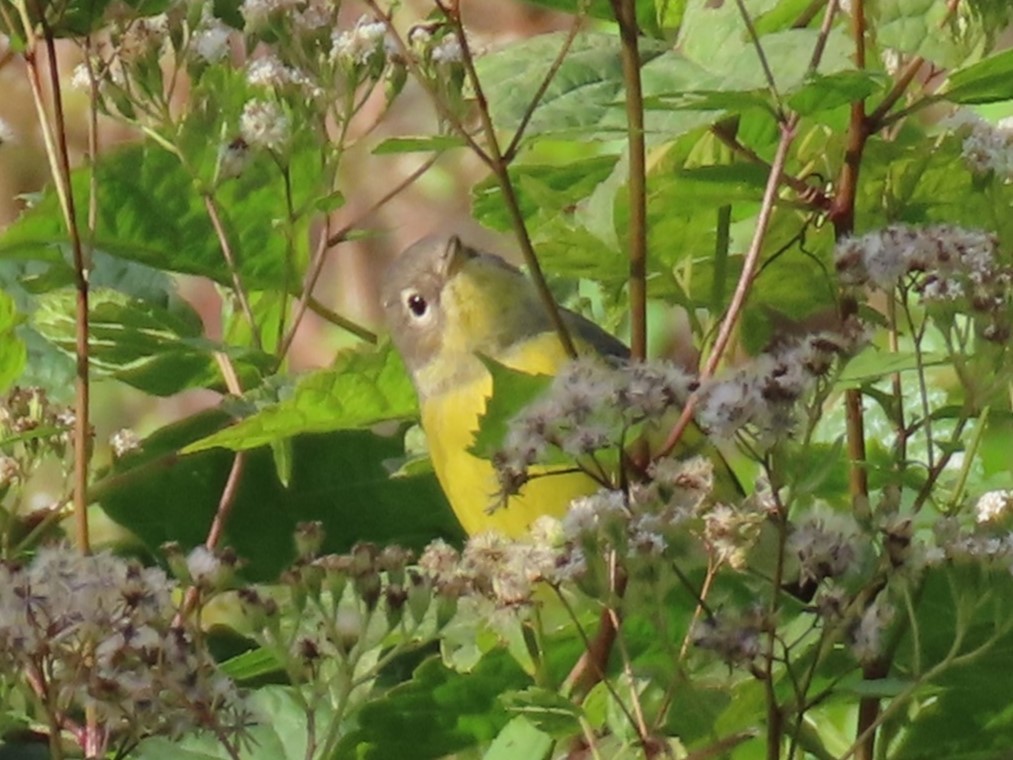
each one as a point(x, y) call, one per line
point(470, 483)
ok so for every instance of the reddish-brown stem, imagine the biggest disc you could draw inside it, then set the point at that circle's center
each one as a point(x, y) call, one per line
point(749, 269)
point(626, 17)
point(217, 529)
point(61, 170)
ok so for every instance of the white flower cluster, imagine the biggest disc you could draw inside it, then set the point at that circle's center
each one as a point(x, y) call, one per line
point(866, 638)
point(734, 635)
point(257, 14)
point(590, 407)
point(97, 630)
point(979, 545)
point(124, 441)
point(762, 394)
point(264, 124)
point(359, 45)
point(992, 506)
point(948, 258)
point(986, 147)
point(143, 37)
point(448, 50)
point(210, 40)
point(827, 545)
point(269, 71)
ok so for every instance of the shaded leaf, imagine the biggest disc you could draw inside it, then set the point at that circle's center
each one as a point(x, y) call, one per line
point(337, 478)
point(362, 388)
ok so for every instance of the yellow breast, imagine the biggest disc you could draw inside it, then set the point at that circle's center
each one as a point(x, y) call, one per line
point(450, 420)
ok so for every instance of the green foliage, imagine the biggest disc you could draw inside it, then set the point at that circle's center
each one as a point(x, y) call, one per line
point(868, 563)
point(337, 478)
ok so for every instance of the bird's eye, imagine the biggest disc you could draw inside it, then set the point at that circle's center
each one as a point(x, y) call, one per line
point(417, 305)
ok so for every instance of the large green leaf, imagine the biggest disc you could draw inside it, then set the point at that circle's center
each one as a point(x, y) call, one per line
point(435, 714)
point(917, 27)
point(362, 388)
point(150, 212)
point(279, 731)
point(337, 478)
point(986, 81)
point(585, 96)
point(160, 350)
point(545, 191)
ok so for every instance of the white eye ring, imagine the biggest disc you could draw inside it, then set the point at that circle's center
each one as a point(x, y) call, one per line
point(416, 305)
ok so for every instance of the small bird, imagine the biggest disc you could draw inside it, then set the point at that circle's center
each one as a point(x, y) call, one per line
point(447, 304)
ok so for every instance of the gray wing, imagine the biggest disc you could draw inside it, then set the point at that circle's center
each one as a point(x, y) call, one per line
point(603, 342)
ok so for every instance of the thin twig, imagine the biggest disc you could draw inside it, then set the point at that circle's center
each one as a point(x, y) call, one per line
point(230, 260)
point(511, 151)
point(55, 137)
point(499, 165)
point(329, 315)
point(742, 288)
point(217, 529)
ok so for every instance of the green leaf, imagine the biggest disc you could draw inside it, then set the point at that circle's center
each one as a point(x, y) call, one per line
point(434, 143)
point(918, 27)
point(519, 739)
point(512, 390)
point(150, 212)
point(823, 93)
point(437, 713)
point(362, 388)
point(873, 363)
point(548, 711)
point(545, 191)
point(157, 349)
point(279, 732)
point(13, 351)
point(252, 664)
point(585, 96)
point(986, 81)
point(338, 478)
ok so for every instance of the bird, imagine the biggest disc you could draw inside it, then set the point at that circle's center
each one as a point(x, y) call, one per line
point(448, 308)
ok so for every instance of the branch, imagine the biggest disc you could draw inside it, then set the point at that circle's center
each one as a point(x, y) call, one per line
point(749, 270)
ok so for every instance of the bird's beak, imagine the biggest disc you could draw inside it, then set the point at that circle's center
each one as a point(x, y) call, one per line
point(456, 255)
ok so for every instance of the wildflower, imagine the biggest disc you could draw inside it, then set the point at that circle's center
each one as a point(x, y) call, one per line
point(210, 41)
point(986, 148)
point(98, 630)
point(81, 78)
point(257, 13)
point(448, 50)
point(992, 505)
point(439, 561)
point(763, 392)
point(269, 71)
point(827, 545)
point(882, 257)
point(263, 124)
point(359, 45)
point(588, 515)
point(867, 635)
point(123, 442)
point(207, 570)
point(733, 635)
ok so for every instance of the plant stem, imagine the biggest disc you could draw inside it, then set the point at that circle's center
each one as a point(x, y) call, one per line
point(230, 260)
point(626, 17)
point(749, 270)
